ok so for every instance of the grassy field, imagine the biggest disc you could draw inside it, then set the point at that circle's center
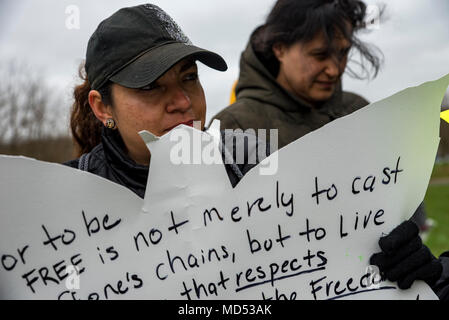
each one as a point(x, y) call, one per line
point(440, 171)
point(437, 207)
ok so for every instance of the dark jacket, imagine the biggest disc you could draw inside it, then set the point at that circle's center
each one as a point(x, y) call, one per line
point(263, 103)
point(110, 161)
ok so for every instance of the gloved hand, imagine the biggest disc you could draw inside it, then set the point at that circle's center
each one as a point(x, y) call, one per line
point(404, 258)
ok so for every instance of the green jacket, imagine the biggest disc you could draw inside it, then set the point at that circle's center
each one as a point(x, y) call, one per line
point(263, 104)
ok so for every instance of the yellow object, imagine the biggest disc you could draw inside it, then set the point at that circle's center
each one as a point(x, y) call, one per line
point(445, 115)
point(233, 98)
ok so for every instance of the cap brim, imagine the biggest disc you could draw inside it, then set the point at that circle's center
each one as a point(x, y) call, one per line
point(153, 64)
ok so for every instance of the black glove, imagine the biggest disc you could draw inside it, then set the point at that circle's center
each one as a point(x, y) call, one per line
point(404, 258)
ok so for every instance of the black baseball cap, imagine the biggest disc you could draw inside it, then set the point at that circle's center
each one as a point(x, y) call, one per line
point(137, 45)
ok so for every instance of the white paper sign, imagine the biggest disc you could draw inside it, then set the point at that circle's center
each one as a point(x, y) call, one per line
point(306, 232)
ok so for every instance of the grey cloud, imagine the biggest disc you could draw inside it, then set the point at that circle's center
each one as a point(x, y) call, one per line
point(414, 39)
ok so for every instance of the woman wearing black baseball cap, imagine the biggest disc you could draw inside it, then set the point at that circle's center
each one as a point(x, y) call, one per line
point(140, 74)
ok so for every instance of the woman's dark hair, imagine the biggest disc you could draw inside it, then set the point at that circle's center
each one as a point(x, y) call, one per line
point(292, 21)
point(85, 127)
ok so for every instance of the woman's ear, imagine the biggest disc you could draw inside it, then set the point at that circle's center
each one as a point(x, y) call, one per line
point(101, 111)
point(278, 50)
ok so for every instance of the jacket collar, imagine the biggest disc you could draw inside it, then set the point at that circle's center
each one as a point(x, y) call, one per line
point(123, 166)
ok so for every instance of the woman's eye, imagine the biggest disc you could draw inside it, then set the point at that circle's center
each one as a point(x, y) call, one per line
point(321, 56)
point(149, 87)
point(191, 76)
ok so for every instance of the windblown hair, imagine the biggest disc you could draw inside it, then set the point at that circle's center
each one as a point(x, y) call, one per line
point(292, 21)
point(85, 127)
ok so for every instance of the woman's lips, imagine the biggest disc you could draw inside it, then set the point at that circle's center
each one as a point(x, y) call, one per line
point(325, 84)
point(187, 123)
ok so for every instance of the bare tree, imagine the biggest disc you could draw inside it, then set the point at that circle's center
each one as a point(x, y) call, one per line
point(31, 114)
point(28, 108)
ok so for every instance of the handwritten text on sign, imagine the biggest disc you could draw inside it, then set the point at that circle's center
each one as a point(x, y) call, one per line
point(306, 232)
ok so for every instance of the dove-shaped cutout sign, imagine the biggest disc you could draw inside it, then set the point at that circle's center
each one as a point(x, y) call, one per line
point(302, 224)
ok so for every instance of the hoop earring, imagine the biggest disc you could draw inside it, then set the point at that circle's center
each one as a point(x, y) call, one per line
point(110, 124)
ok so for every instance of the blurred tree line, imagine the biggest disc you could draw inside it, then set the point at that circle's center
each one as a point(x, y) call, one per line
point(34, 121)
point(32, 115)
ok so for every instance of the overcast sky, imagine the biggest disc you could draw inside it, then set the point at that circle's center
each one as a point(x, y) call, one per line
point(414, 40)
